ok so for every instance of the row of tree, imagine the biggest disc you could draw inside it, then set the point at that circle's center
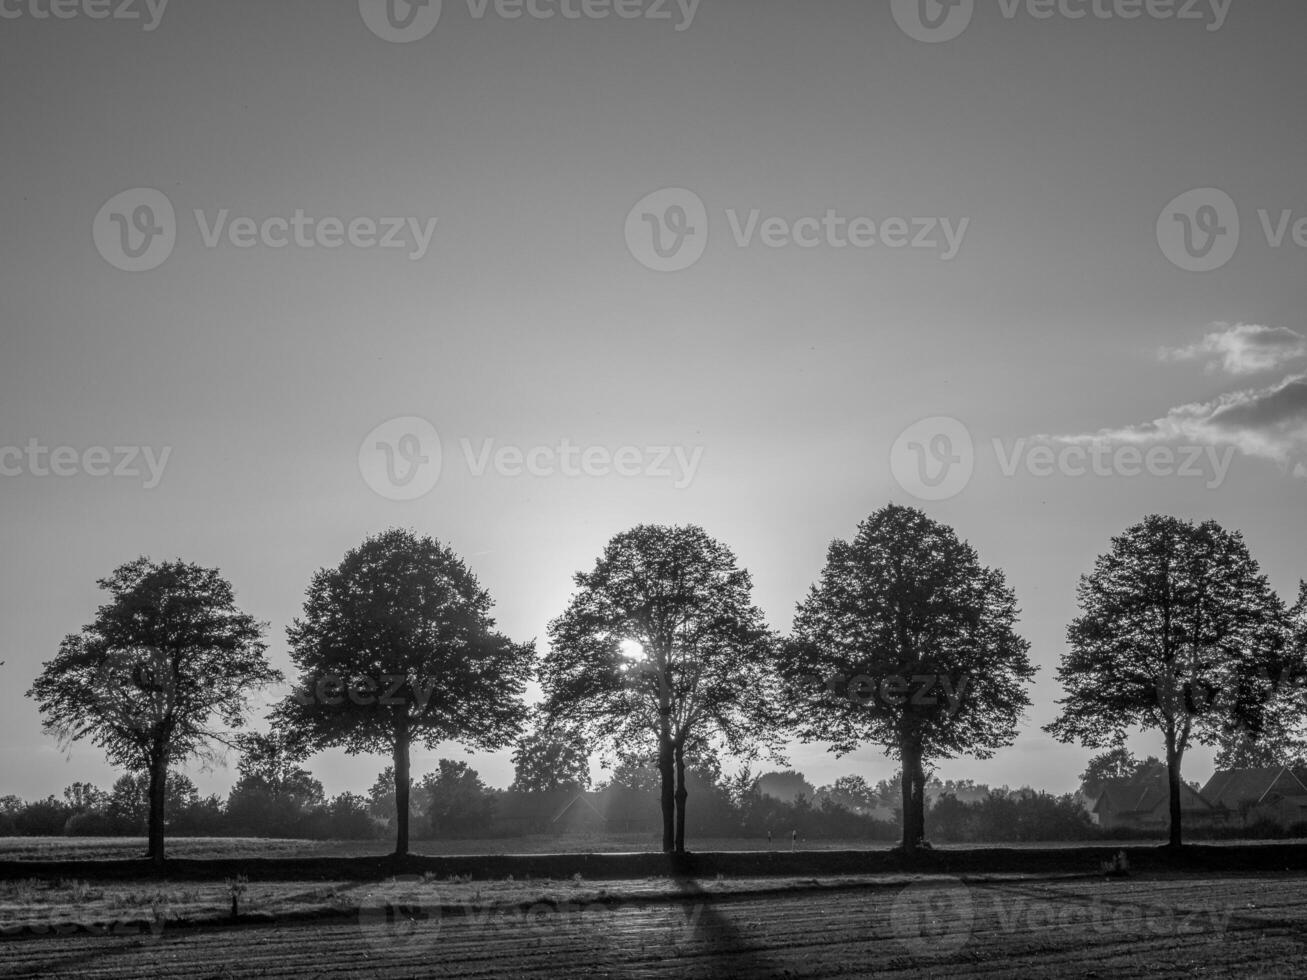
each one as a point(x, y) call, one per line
point(907, 642)
point(453, 802)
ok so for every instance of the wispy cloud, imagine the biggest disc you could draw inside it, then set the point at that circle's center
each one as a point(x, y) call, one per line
point(1266, 423)
point(1244, 348)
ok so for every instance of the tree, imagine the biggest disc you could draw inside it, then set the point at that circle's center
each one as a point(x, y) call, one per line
point(1178, 632)
point(84, 797)
point(908, 642)
point(852, 793)
point(787, 786)
point(662, 648)
point(457, 800)
point(273, 795)
point(145, 680)
point(396, 647)
point(129, 803)
point(546, 761)
point(1115, 763)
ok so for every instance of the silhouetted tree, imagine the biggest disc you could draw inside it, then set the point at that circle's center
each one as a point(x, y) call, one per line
point(145, 680)
point(909, 643)
point(397, 647)
point(545, 761)
point(663, 648)
point(1178, 632)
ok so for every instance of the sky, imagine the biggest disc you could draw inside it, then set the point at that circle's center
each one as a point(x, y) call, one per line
point(763, 266)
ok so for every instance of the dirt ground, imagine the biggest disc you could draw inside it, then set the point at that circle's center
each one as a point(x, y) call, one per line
point(1168, 926)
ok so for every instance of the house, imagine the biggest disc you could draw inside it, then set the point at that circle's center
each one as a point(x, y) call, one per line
point(1143, 802)
point(1276, 794)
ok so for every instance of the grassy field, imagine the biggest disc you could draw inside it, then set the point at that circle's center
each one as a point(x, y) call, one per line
point(1167, 926)
point(208, 848)
point(1203, 914)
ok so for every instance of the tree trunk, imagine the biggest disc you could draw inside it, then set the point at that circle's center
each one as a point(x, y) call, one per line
point(401, 790)
point(914, 805)
point(158, 794)
point(681, 795)
point(1173, 758)
point(668, 794)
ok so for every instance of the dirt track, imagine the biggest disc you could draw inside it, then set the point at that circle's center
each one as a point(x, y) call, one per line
point(1168, 927)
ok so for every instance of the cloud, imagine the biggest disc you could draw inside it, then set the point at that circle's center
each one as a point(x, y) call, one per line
point(1244, 348)
point(1266, 423)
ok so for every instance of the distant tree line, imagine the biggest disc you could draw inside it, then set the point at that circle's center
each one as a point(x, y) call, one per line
point(907, 643)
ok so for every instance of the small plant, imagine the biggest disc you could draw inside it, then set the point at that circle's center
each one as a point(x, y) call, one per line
point(1118, 866)
point(237, 887)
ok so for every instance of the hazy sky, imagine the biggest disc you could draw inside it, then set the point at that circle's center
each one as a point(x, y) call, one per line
point(1033, 160)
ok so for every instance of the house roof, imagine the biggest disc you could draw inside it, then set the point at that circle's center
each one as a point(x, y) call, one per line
point(1232, 787)
point(1144, 794)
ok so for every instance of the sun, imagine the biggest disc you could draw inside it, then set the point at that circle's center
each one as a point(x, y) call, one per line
point(632, 649)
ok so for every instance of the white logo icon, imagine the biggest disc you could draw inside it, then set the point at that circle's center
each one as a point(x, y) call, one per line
point(934, 459)
point(668, 230)
point(1199, 230)
point(401, 917)
point(933, 21)
point(136, 230)
point(400, 459)
point(933, 919)
point(401, 21)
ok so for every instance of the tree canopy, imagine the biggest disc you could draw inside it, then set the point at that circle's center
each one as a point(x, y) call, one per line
point(396, 647)
point(909, 643)
point(162, 674)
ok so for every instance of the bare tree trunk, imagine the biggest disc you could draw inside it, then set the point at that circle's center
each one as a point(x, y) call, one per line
point(158, 795)
point(681, 795)
point(1174, 757)
point(668, 794)
point(402, 784)
point(914, 797)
